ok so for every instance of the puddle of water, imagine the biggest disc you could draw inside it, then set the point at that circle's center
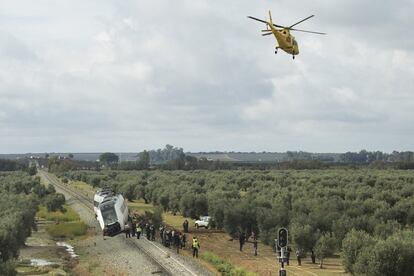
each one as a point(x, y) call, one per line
point(40, 262)
point(69, 248)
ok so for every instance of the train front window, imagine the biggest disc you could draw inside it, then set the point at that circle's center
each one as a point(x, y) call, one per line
point(108, 214)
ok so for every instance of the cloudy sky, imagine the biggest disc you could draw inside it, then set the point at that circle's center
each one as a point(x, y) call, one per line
point(109, 75)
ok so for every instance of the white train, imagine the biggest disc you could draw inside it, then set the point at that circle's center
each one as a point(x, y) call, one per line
point(112, 214)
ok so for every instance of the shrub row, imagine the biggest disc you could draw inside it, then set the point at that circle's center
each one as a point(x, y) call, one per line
point(223, 267)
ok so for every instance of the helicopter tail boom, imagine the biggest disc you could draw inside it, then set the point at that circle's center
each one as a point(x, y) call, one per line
point(270, 18)
point(270, 24)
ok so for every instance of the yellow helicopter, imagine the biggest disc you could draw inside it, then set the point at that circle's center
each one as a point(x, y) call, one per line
point(285, 40)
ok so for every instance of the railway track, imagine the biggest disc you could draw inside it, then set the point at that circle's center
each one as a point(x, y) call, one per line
point(164, 259)
point(87, 202)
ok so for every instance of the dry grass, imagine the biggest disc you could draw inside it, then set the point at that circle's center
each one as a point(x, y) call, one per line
point(176, 221)
point(68, 215)
point(265, 263)
point(67, 229)
point(67, 224)
point(83, 188)
point(139, 206)
point(224, 267)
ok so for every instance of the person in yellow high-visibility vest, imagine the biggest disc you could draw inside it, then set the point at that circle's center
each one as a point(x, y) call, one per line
point(195, 246)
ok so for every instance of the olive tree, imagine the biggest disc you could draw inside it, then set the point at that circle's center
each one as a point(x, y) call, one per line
point(325, 247)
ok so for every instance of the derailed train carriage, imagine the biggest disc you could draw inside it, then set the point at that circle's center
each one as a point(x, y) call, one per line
point(112, 213)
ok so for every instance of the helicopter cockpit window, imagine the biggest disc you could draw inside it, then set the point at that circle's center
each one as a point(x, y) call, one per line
point(294, 42)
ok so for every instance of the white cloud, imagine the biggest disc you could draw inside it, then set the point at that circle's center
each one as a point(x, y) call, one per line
point(129, 75)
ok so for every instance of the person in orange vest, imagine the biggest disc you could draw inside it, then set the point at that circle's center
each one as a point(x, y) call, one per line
point(195, 246)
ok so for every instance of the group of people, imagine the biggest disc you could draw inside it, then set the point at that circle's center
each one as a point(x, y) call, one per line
point(172, 238)
point(134, 229)
point(169, 237)
point(243, 239)
point(298, 256)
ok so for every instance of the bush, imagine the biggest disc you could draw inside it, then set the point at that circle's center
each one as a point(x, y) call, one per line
point(67, 215)
point(325, 247)
point(54, 202)
point(225, 268)
point(7, 268)
point(32, 170)
point(393, 256)
point(67, 229)
point(365, 255)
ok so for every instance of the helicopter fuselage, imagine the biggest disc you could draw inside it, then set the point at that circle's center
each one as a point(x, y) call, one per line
point(286, 41)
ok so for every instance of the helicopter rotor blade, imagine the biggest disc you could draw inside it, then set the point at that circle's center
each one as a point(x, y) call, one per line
point(257, 19)
point(312, 32)
point(267, 34)
point(279, 26)
point(301, 21)
point(289, 28)
point(263, 21)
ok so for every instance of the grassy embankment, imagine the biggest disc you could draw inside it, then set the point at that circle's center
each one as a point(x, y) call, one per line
point(224, 267)
point(83, 188)
point(66, 224)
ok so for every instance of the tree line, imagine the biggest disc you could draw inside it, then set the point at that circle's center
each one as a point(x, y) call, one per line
point(13, 165)
point(173, 158)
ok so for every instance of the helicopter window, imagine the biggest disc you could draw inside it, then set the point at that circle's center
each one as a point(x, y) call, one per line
point(294, 42)
point(288, 39)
